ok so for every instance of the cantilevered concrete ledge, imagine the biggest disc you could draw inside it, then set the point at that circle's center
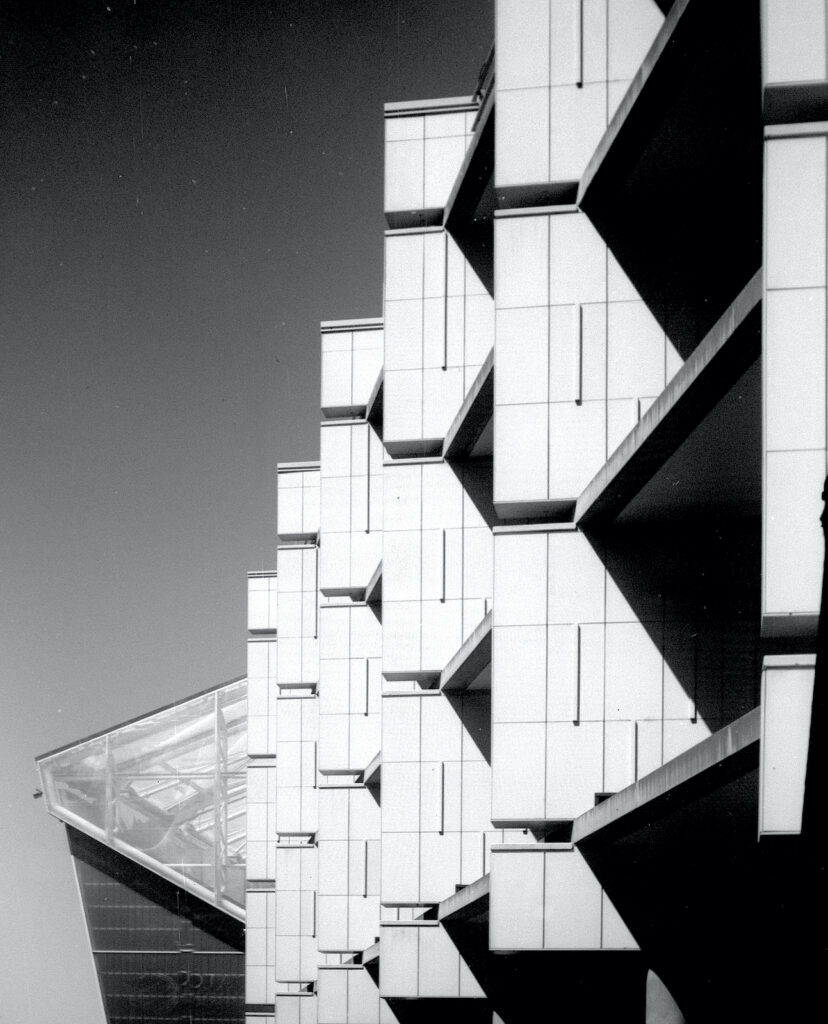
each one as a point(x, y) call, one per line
point(681, 157)
point(474, 415)
point(373, 589)
point(357, 410)
point(473, 657)
point(374, 406)
point(715, 365)
point(371, 593)
point(371, 955)
point(472, 901)
point(475, 171)
point(724, 755)
point(373, 772)
point(629, 124)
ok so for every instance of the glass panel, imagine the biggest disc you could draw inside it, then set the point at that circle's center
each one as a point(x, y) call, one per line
point(172, 987)
point(167, 790)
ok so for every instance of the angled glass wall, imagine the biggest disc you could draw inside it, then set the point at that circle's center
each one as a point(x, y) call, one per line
point(162, 955)
point(166, 790)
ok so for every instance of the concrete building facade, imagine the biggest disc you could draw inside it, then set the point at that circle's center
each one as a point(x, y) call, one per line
point(531, 687)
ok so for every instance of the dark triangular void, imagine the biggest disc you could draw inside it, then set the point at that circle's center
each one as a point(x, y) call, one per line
point(167, 790)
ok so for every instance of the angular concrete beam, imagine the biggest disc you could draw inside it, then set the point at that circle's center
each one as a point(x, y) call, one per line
point(373, 589)
point(373, 772)
point(474, 415)
point(715, 365)
point(722, 756)
point(371, 955)
point(475, 171)
point(681, 157)
point(472, 901)
point(472, 658)
point(373, 410)
point(643, 101)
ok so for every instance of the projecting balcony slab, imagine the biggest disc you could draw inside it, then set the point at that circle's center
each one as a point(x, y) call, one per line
point(679, 855)
point(588, 984)
point(373, 588)
point(675, 185)
point(470, 668)
point(475, 171)
point(727, 753)
point(471, 903)
point(468, 436)
point(468, 215)
point(373, 771)
point(374, 406)
point(371, 593)
point(371, 955)
point(729, 349)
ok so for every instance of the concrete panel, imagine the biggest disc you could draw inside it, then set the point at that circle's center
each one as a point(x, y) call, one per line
point(521, 261)
point(516, 909)
point(631, 30)
point(795, 342)
point(522, 53)
point(521, 580)
point(522, 136)
point(577, 120)
point(522, 355)
point(794, 40)
point(793, 543)
point(521, 452)
point(404, 174)
point(787, 696)
point(571, 902)
point(795, 199)
point(518, 772)
point(519, 674)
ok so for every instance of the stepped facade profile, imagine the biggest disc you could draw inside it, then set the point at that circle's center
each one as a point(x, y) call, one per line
point(531, 682)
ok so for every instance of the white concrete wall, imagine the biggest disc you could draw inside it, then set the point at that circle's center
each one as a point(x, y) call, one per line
point(350, 637)
point(348, 995)
point(298, 497)
point(439, 328)
point(351, 363)
point(262, 602)
point(546, 897)
point(350, 688)
point(262, 691)
point(436, 782)
point(296, 1007)
point(562, 67)
point(423, 153)
point(794, 354)
point(794, 41)
point(298, 662)
point(437, 558)
point(351, 512)
point(787, 699)
point(260, 943)
point(420, 961)
point(584, 700)
point(349, 868)
point(579, 358)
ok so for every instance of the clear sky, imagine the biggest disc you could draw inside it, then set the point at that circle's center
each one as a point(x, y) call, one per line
point(186, 188)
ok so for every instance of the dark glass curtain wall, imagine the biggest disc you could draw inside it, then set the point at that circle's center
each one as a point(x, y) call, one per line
point(162, 955)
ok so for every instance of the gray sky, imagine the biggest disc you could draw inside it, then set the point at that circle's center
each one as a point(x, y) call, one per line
point(187, 188)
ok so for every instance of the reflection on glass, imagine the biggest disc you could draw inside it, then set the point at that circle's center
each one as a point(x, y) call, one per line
point(161, 953)
point(167, 790)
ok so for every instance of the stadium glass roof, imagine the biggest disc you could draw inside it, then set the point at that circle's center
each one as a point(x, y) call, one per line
point(166, 790)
